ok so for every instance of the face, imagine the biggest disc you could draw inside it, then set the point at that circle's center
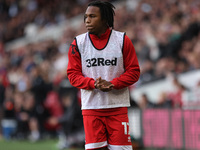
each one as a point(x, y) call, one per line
point(94, 23)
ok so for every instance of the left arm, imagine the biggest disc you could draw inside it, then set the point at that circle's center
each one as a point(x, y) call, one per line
point(131, 65)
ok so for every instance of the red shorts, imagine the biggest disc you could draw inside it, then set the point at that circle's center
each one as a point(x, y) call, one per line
point(110, 131)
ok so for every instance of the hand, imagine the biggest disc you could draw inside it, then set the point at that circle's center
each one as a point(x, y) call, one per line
point(53, 121)
point(103, 85)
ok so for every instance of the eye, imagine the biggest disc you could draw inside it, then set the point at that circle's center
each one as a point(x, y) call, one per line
point(92, 16)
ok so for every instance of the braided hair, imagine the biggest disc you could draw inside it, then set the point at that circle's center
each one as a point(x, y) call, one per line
point(106, 10)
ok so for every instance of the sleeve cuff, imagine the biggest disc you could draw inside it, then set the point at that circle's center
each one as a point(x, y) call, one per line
point(114, 83)
point(92, 84)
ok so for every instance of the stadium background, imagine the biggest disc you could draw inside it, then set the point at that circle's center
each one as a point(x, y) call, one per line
point(34, 39)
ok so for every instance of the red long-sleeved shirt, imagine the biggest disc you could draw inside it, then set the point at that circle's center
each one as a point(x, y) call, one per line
point(129, 77)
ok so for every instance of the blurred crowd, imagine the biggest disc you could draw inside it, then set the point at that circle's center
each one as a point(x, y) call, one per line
point(15, 15)
point(34, 89)
point(179, 96)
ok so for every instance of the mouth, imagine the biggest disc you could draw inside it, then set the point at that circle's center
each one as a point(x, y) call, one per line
point(89, 27)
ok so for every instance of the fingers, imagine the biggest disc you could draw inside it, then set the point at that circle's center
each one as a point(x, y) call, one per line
point(98, 80)
point(98, 83)
point(103, 85)
point(111, 85)
point(106, 89)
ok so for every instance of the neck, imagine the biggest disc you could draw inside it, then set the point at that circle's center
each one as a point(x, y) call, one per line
point(102, 32)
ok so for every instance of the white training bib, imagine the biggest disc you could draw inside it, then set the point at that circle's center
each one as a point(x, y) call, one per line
point(106, 63)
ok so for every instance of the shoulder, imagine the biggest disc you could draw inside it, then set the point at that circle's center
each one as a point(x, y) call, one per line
point(81, 39)
point(118, 32)
point(123, 36)
point(81, 36)
point(118, 35)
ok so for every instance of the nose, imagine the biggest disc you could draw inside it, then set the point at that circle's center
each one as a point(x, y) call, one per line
point(87, 20)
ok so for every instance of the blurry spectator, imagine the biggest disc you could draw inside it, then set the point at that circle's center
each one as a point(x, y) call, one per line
point(26, 115)
point(147, 72)
point(8, 103)
point(71, 132)
point(177, 94)
point(144, 102)
point(164, 101)
point(8, 123)
point(164, 66)
point(53, 105)
point(40, 88)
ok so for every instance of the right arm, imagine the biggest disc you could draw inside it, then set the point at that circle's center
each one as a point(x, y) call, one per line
point(74, 70)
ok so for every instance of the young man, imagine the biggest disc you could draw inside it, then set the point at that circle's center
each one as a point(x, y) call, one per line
point(103, 63)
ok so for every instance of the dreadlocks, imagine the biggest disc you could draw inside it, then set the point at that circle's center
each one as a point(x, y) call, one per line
point(107, 11)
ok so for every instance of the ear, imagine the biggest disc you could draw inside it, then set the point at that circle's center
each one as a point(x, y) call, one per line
point(105, 23)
